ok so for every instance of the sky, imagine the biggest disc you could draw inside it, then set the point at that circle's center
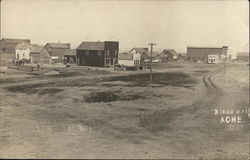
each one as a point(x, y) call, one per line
point(168, 23)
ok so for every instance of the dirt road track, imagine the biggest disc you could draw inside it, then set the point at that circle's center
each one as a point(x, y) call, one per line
point(162, 118)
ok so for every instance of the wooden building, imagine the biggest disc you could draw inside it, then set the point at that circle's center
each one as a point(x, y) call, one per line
point(129, 60)
point(57, 50)
point(195, 53)
point(98, 54)
point(8, 45)
point(35, 53)
point(242, 56)
point(22, 51)
point(169, 55)
point(45, 57)
point(70, 56)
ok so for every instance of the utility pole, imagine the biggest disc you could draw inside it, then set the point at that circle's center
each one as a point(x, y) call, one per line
point(151, 76)
point(225, 61)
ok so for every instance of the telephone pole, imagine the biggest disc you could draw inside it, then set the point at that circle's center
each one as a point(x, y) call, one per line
point(151, 76)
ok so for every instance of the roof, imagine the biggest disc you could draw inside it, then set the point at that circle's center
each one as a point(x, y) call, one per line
point(139, 50)
point(243, 54)
point(125, 56)
point(91, 46)
point(59, 45)
point(15, 41)
point(172, 51)
point(36, 48)
point(23, 46)
point(206, 46)
point(71, 52)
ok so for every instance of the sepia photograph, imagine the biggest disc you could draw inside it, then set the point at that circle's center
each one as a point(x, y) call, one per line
point(124, 79)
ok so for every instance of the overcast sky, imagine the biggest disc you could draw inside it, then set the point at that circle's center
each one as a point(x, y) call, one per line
point(170, 24)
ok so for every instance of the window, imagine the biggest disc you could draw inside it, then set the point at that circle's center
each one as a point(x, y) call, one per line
point(111, 61)
point(107, 53)
point(87, 53)
point(115, 61)
point(99, 53)
point(115, 52)
point(107, 62)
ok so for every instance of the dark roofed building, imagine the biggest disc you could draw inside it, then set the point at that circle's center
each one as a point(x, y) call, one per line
point(243, 56)
point(98, 54)
point(35, 53)
point(200, 53)
point(57, 49)
point(8, 45)
point(169, 54)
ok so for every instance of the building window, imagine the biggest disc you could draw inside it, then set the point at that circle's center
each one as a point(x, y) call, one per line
point(115, 61)
point(107, 53)
point(99, 53)
point(87, 53)
point(116, 52)
point(107, 62)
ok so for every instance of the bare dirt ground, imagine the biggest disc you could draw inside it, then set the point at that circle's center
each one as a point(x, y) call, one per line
point(85, 112)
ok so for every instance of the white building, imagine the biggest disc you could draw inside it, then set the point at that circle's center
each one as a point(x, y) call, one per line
point(213, 59)
point(130, 60)
point(23, 51)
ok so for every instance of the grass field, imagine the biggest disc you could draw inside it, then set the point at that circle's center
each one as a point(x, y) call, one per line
point(83, 112)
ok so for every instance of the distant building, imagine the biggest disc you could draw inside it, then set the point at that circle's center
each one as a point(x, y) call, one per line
point(45, 57)
point(98, 54)
point(181, 57)
point(143, 52)
point(195, 53)
point(8, 45)
point(243, 56)
point(23, 51)
point(170, 55)
point(57, 50)
point(35, 53)
point(213, 59)
point(130, 60)
point(70, 56)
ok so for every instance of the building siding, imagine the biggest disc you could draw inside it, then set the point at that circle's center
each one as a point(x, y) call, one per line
point(99, 58)
point(195, 54)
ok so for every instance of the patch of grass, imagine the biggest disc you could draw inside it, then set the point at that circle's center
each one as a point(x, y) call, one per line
point(177, 79)
point(110, 96)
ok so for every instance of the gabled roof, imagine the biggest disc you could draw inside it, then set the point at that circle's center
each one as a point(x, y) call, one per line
point(172, 51)
point(139, 50)
point(59, 45)
point(125, 56)
point(23, 46)
point(15, 41)
point(71, 52)
point(35, 48)
point(91, 46)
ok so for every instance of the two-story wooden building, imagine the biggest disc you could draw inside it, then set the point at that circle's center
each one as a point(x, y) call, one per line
point(98, 54)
